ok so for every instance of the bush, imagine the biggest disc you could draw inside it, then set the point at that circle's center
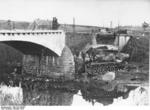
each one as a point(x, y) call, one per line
point(138, 49)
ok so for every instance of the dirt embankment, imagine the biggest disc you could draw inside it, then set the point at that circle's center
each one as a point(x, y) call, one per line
point(76, 42)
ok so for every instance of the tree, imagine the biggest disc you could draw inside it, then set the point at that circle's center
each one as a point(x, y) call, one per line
point(34, 25)
point(9, 24)
point(55, 24)
point(145, 25)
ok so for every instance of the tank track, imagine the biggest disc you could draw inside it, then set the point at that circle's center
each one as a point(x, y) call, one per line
point(102, 68)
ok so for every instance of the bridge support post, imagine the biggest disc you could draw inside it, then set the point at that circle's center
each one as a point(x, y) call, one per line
point(66, 63)
point(30, 64)
point(50, 65)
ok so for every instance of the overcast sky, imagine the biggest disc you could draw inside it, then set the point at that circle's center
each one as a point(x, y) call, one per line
point(87, 12)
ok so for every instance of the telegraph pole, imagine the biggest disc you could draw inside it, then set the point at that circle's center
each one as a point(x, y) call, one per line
point(73, 26)
point(118, 37)
point(111, 24)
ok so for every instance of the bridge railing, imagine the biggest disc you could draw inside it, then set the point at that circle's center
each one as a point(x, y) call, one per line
point(37, 32)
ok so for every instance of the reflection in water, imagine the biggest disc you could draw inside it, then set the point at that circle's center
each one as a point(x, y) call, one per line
point(46, 91)
point(63, 94)
point(47, 97)
point(99, 95)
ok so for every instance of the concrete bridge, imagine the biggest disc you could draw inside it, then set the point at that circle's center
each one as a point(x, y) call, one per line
point(45, 51)
point(121, 40)
point(31, 42)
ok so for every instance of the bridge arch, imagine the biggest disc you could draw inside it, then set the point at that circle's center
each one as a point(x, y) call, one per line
point(31, 48)
point(58, 59)
point(53, 40)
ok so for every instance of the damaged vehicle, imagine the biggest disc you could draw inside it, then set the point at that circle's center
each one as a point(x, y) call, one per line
point(104, 56)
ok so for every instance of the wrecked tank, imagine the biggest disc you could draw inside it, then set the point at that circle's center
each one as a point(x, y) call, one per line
point(104, 54)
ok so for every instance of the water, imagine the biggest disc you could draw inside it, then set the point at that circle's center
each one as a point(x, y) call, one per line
point(69, 93)
point(52, 92)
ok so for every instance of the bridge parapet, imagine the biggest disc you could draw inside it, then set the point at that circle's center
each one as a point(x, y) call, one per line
point(36, 32)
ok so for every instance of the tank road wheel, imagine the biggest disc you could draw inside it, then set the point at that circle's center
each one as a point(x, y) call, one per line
point(115, 67)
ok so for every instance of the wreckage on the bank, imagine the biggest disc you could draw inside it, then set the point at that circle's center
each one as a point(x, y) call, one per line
point(104, 54)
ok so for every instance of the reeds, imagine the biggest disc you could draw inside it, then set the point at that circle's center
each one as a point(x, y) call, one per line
point(10, 95)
